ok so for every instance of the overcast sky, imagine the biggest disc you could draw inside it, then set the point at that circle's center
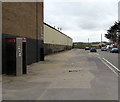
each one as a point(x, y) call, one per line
point(82, 19)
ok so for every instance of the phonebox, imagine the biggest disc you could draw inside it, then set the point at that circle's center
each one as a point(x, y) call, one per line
point(16, 56)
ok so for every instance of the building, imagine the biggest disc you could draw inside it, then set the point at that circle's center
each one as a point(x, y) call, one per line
point(23, 19)
point(55, 40)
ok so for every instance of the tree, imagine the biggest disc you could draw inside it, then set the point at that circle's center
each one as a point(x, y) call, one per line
point(112, 32)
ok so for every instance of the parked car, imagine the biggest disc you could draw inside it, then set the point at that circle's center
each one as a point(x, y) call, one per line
point(114, 50)
point(104, 49)
point(93, 50)
point(87, 48)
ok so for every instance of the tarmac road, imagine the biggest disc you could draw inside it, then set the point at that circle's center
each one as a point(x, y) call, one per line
point(111, 57)
point(70, 75)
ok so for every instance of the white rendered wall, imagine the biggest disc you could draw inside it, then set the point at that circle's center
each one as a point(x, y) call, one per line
point(52, 36)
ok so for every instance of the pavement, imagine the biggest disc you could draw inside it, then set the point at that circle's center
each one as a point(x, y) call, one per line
point(70, 75)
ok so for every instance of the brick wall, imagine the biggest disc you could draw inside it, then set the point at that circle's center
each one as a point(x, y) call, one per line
point(23, 19)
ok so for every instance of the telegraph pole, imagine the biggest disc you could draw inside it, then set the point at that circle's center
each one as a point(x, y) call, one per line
point(88, 41)
point(101, 40)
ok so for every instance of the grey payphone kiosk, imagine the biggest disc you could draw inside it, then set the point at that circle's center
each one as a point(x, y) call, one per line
point(16, 56)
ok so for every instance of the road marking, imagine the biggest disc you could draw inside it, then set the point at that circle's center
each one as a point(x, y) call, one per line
point(111, 64)
point(109, 67)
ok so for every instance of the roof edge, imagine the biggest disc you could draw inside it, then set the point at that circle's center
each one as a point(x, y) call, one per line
point(57, 30)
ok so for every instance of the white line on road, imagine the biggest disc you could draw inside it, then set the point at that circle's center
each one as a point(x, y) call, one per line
point(111, 64)
point(109, 67)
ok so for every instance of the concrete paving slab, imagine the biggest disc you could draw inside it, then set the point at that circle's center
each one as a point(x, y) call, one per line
point(51, 79)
